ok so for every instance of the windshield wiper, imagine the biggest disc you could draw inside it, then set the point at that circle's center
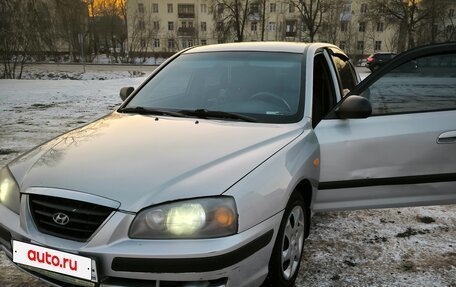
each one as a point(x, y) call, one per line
point(151, 111)
point(205, 114)
point(199, 113)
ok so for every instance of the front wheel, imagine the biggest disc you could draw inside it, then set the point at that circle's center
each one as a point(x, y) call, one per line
point(289, 245)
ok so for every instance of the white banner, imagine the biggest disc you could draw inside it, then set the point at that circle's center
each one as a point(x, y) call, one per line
point(52, 260)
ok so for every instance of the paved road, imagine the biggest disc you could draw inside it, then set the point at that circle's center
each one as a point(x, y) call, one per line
point(363, 70)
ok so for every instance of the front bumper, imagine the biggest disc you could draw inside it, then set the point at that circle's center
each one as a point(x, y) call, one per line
point(238, 260)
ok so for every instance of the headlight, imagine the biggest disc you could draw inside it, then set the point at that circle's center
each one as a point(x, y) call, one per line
point(9, 191)
point(195, 218)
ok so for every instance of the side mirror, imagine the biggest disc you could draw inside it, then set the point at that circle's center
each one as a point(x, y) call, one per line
point(125, 92)
point(354, 107)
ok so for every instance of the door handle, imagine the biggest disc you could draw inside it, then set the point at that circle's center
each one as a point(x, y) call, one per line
point(447, 137)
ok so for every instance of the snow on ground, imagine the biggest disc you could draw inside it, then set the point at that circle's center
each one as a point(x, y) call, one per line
point(149, 61)
point(110, 59)
point(44, 75)
point(101, 59)
point(391, 247)
point(33, 111)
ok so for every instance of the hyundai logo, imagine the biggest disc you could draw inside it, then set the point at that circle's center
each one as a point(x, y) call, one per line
point(61, 218)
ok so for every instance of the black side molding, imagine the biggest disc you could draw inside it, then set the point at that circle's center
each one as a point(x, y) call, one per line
point(186, 265)
point(417, 179)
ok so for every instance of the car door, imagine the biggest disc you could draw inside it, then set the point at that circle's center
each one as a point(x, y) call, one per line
point(404, 153)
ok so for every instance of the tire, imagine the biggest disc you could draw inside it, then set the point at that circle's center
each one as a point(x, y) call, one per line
point(289, 245)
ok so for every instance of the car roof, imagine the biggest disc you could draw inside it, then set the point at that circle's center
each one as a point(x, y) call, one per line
point(289, 47)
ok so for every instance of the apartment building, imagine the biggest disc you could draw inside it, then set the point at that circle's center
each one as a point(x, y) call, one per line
point(166, 26)
point(162, 26)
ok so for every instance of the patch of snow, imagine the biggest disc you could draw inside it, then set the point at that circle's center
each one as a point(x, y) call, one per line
point(149, 61)
point(34, 111)
point(101, 59)
point(40, 75)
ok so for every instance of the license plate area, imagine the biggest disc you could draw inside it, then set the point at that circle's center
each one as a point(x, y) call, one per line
point(40, 259)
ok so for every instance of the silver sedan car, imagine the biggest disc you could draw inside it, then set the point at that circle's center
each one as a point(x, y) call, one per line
point(208, 173)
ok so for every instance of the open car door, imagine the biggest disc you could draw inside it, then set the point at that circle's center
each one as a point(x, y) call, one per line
point(403, 153)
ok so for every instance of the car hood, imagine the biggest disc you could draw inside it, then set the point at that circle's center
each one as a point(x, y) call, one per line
point(142, 160)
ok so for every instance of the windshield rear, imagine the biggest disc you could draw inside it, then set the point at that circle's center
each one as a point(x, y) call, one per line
point(265, 86)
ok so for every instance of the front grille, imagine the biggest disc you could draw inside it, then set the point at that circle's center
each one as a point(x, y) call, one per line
point(84, 217)
point(114, 281)
point(56, 278)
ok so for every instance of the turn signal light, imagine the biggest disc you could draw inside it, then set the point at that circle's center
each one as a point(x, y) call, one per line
point(224, 216)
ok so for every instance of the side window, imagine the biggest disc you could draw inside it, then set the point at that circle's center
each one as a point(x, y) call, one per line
point(346, 73)
point(324, 97)
point(420, 85)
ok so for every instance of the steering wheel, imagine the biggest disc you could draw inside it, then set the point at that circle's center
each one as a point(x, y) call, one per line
point(270, 97)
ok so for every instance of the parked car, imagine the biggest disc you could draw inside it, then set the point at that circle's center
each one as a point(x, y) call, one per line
point(208, 173)
point(377, 60)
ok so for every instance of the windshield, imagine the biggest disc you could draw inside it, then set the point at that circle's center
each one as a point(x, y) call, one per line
point(262, 86)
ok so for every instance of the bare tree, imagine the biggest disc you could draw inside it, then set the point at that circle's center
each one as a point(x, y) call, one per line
point(408, 14)
point(332, 19)
point(263, 4)
point(233, 14)
point(449, 28)
point(111, 22)
point(311, 13)
point(222, 29)
point(439, 26)
point(392, 44)
point(42, 18)
point(375, 24)
point(345, 31)
point(72, 18)
point(123, 34)
point(25, 30)
point(144, 28)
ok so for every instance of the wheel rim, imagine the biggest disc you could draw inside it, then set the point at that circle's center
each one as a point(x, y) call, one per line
point(293, 237)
